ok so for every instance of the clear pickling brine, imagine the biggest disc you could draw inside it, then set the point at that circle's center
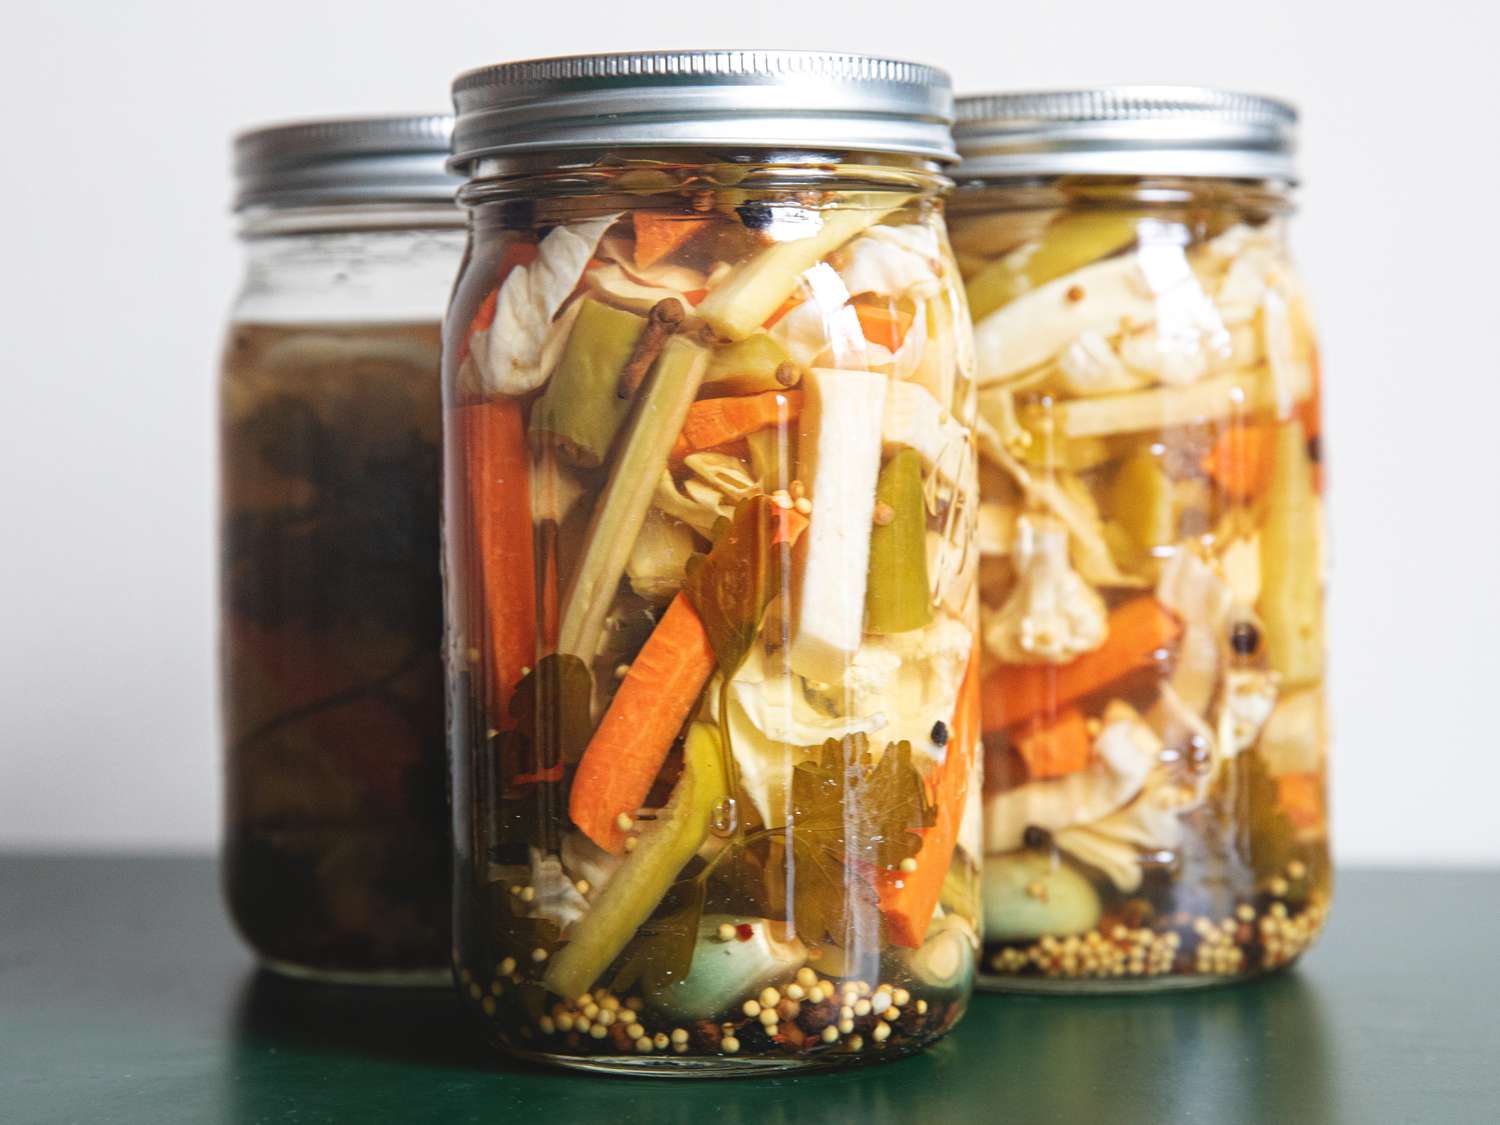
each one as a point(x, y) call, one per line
point(711, 500)
point(1152, 548)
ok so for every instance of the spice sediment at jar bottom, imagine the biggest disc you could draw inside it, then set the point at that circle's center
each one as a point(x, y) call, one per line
point(1152, 540)
point(712, 591)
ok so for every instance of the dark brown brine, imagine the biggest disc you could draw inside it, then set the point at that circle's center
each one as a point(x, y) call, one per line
point(336, 846)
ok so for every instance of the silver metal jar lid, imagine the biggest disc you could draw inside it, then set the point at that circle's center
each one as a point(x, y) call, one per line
point(345, 161)
point(801, 100)
point(1129, 131)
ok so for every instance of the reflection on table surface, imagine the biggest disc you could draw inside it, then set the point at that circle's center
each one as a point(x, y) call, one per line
point(1255, 1052)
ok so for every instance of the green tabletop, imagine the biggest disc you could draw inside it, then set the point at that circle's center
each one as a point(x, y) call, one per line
point(124, 997)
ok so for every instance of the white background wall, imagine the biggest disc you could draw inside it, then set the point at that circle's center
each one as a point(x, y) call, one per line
point(118, 264)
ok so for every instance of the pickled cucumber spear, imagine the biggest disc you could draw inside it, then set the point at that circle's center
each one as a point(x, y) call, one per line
point(897, 595)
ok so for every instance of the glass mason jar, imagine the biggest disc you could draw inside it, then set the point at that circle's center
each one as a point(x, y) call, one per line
point(1151, 539)
point(711, 592)
point(336, 823)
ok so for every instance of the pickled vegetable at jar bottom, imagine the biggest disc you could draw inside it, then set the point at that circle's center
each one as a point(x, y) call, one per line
point(719, 784)
point(1154, 809)
point(336, 849)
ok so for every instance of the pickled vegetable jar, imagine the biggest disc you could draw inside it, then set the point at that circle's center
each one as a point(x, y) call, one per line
point(336, 823)
point(1151, 539)
point(712, 598)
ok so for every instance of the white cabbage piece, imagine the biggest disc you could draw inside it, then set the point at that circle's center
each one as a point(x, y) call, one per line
point(586, 860)
point(1089, 366)
point(894, 261)
point(1189, 587)
point(615, 286)
point(907, 680)
point(1180, 726)
point(1247, 701)
point(1125, 752)
point(557, 898)
point(510, 354)
point(1116, 843)
point(915, 419)
point(1103, 297)
point(1052, 616)
point(1295, 736)
point(696, 504)
point(724, 472)
point(657, 564)
point(1187, 335)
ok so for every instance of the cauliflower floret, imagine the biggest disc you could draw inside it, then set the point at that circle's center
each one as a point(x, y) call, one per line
point(557, 897)
point(1053, 615)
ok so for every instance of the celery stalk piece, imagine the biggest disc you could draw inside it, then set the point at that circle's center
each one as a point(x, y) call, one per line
point(838, 445)
point(751, 365)
point(1140, 500)
point(663, 405)
point(1239, 392)
point(898, 597)
point(643, 880)
point(756, 289)
point(1291, 592)
point(581, 410)
point(1068, 244)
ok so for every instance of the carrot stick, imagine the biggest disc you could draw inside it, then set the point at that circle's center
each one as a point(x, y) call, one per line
point(658, 233)
point(1017, 693)
point(1240, 462)
point(883, 324)
point(1300, 796)
point(908, 898)
point(632, 740)
point(498, 477)
point(785, 307)
point(1056, 748)
point(717, 421)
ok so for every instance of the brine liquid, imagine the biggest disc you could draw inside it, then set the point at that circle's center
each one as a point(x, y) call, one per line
point(336, 845)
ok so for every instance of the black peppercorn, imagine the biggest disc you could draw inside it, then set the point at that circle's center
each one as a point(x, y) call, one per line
point(755, 215)
point(940, 733)
point(1036, 838)
point(1244, 638)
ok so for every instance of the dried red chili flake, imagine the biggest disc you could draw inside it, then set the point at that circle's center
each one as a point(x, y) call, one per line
point(744, 931)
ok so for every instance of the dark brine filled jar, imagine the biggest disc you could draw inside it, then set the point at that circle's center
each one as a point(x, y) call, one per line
point(711, 580)
point(1151, 538)
point(336, 822)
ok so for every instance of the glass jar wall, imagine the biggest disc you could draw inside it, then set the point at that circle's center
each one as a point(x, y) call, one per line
point(336, 824)
point(1152, 541)
point(710, 500)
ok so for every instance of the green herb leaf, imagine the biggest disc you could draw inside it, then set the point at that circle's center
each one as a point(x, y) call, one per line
point(851, 816)
point(551, 707)
point(732, 587)
point(664, 945)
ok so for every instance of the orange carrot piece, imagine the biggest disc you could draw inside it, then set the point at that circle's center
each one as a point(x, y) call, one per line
point(632, 740)
point(717, 421)
point(658, 233)
point(1058, 748)
point(500, 551)
point(786, 306)
point(883, 324)
point(908, 898)
point(1241, 460)
point(1018, 693)
point(1300, 796)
